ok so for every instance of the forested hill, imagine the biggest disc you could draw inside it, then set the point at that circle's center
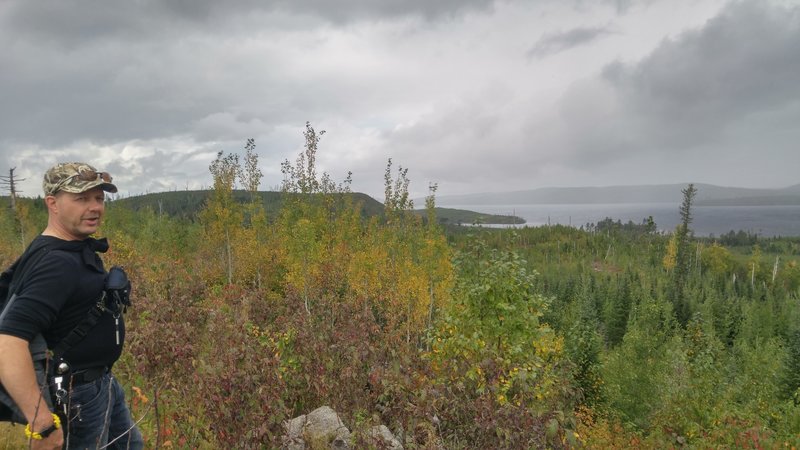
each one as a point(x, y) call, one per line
point(707, 194)
point(186, 204)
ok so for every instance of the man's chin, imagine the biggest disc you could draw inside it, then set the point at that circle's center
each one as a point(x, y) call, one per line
point(87, 231)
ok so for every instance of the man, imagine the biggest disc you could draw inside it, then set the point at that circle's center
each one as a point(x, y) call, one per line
point(55, 297)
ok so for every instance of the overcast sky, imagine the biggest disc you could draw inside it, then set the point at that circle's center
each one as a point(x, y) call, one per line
point(475, 95)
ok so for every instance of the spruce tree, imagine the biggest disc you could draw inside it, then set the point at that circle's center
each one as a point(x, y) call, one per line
point(677, 290)
point(618, 314)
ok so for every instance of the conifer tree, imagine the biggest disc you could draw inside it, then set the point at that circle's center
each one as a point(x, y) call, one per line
point(618, 314)
point(582, 345)
point(682, 257)
point(792, 373)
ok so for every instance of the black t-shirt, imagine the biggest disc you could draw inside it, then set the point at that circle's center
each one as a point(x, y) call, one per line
point(57, 295)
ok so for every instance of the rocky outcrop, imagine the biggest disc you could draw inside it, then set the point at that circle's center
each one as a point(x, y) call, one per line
point(323, 429)
point(383, 438)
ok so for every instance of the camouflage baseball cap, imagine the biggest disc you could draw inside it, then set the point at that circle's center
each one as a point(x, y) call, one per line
point(75, 177)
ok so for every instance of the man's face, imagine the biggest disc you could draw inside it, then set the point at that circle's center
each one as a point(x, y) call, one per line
point(78, 216)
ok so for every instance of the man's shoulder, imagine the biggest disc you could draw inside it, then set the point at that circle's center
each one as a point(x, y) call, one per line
point(53, 243)
point(48, 251)
point(54, 254)
point(35, 255)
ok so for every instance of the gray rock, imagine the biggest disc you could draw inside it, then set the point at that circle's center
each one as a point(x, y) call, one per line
point(383, 438)
point(319, 429)
point(293, 439)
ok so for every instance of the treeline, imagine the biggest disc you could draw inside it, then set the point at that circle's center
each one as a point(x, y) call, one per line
point(187, 205)
point(711, 364)
point(610, 336)
point(609, 225)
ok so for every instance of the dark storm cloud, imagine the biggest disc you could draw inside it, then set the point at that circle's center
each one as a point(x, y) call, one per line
point(555, 43)
point(92, 19)
point(345, 10)
point(745, 60)
point(147, 69)
point(696, 89)
point(53, 111)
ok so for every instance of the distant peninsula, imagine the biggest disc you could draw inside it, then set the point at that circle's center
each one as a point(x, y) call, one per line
point(450, 216)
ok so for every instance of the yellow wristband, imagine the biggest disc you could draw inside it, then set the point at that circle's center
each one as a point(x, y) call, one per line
point(39, 435)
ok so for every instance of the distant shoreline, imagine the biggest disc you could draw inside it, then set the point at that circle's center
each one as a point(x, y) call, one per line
point(455, 216)
point(708, 220)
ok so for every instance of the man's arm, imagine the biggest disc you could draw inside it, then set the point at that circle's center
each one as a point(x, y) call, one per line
point(19, 379)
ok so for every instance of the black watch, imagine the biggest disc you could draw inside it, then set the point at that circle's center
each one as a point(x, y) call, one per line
point(48, 431)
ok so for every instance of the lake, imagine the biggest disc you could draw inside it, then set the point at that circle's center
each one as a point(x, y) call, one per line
point(765, 221)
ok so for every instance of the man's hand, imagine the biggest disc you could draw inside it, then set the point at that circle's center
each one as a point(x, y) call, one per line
point(54, 441)
point(19, 379)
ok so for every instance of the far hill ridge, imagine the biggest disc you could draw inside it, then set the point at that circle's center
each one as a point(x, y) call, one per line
point(707, 194)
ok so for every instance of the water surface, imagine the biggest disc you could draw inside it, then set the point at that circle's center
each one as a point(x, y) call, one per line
point(767, 221)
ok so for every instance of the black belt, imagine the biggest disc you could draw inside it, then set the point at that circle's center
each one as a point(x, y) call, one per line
point(88, 375)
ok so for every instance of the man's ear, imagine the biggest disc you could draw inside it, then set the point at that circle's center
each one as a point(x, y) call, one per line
point(50, 202)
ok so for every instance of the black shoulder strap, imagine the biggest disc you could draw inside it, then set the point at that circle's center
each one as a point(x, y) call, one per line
point(79, 332)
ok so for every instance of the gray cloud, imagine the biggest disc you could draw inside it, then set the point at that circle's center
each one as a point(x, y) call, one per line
point(711, 104)
point(153, 69)
point(152, 90)
point(701, 88)
point(550, 44)
point(89, 20)
point(744, 61)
